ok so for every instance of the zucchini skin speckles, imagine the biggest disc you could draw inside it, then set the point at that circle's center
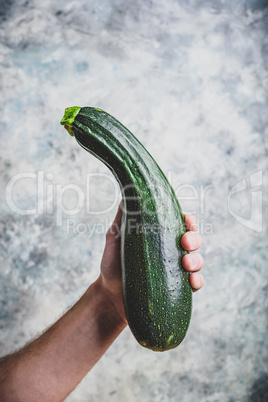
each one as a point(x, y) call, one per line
point(156, 289)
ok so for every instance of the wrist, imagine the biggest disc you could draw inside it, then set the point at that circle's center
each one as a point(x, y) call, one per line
point(110, 306)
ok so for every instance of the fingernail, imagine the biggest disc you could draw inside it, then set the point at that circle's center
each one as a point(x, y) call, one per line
point(200, 280)
point(194, 260)
point(193, 239)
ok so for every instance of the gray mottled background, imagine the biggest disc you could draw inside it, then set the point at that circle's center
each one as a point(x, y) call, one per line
point(189, 79)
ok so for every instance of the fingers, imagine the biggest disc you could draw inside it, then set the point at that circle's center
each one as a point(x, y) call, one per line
point(191, 241)
point(196, 281)
point(192, 262)
point(190, 222)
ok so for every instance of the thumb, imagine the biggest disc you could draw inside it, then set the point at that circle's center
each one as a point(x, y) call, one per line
point(113, 233)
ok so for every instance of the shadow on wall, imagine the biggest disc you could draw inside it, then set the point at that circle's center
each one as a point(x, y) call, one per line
point(257, 4)
point(5, 9)
point(259, 392)
point(217, 6)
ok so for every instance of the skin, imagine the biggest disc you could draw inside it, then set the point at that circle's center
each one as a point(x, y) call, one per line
point(51, 366)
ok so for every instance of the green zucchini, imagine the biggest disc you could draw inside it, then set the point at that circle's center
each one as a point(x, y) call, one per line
point(156, 289)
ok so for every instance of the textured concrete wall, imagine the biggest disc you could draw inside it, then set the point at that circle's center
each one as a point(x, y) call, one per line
point(189, 79)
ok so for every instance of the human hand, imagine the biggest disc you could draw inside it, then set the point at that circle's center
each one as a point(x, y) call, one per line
point(192, 262)
point(111, 262)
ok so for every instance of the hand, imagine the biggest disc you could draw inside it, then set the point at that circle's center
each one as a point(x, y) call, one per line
point(110, 276)
point(193, 262)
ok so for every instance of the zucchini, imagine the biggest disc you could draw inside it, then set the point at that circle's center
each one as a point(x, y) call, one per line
point(156, 289)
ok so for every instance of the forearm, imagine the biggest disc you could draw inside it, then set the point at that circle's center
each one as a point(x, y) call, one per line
point(49, 368)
